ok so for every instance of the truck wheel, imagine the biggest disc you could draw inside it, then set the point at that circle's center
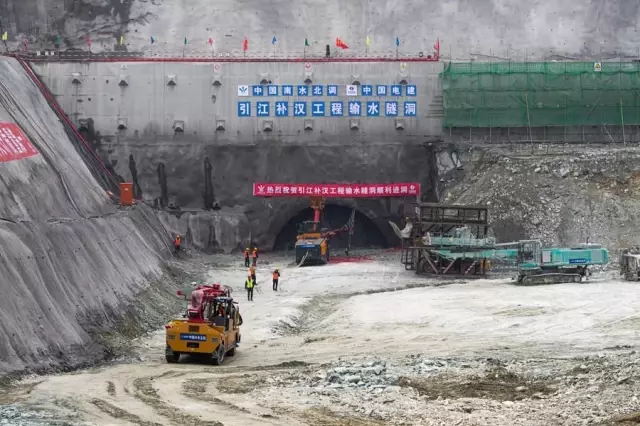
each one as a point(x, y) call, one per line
point(173, 358)
point(219, 355)
point(231, 352)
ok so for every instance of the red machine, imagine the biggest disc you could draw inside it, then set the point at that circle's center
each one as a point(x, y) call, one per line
point(201, 297)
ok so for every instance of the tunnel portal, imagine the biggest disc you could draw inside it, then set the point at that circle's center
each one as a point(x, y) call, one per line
point(366, 233)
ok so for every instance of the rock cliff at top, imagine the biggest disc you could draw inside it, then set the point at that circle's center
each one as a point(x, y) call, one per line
point(70, 260)
point(466, 27)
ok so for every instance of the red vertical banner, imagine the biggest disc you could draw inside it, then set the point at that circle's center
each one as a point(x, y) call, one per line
point(14, 144)
point(337, 190)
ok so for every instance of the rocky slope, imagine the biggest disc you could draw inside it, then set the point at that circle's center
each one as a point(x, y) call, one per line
point(72, 261)
point(562, 195)
point(466, 28)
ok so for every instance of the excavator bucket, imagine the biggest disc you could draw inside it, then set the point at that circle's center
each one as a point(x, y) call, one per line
point(402, 234)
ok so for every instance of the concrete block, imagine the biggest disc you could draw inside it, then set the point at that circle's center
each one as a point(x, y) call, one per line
point(221, 125)
point(267, 125)
point(122, 123)
point(354, 124)
point(172, 80)
point(399, 124)
point(308, 125)
point(76, 78)
point(178, 126)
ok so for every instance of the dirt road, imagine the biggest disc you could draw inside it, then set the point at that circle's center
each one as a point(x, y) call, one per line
point(370, 343)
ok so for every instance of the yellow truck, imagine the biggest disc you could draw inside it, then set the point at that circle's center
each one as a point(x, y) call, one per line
point(209, 328)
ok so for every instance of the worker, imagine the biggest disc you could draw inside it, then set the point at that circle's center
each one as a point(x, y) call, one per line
point(276, 276)
point(248, 284)
point(246, 257)
point(176, 243)
point(252, 272)
point(255, 255)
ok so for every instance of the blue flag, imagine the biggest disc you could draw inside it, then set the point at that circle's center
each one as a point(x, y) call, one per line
point(153, 40)
point(397, 41)
point(273, 40)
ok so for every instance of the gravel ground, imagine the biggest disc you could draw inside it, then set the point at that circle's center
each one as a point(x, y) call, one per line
point(368, 343)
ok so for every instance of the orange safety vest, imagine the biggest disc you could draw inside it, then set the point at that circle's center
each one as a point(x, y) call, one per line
point(246, 253)
point(177, 241)
point(255, 253)
point(276, 275)
point(252, 271)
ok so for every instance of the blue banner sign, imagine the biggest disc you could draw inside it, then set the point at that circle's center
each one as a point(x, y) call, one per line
point(193, 337)
point(304, 104)
point(328, 109)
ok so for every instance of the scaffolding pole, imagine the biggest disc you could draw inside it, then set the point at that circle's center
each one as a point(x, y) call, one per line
point(526, 98)
point(624, 140)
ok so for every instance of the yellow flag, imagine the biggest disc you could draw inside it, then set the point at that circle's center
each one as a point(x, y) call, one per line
point(368, 41)
point(5, 36)
point(121, 40)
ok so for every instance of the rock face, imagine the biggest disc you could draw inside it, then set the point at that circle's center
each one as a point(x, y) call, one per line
point(562, 195)
point(465, 28)
point(71, 260)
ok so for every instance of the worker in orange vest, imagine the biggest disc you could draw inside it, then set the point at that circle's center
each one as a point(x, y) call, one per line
point(276, 276)
point(246, 257)
point(255, 255)
point(176, 243)
point(252, 272)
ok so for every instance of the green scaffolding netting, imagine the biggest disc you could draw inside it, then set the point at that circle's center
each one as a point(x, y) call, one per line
point(541, 94)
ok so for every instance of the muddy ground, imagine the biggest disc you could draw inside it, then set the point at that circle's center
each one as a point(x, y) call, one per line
point(369, 343)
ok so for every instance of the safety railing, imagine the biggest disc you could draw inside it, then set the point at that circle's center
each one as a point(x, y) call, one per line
point(195, 55)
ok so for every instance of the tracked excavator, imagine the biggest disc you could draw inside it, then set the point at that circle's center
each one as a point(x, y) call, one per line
point(312, 241)
point(630, 264)
point(209, 327)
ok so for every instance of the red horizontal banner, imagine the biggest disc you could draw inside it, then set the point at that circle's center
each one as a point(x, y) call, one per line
point(14, 145)
point(336, 190)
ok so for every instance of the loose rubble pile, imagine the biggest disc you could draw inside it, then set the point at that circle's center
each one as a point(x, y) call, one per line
point(567, 198)
point(417, 390)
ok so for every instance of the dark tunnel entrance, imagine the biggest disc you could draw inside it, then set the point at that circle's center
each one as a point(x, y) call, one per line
point(366, 234)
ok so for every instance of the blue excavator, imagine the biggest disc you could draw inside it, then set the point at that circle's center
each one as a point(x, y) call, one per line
point(538, 265)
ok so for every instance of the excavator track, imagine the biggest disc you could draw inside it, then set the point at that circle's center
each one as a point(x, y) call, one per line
point(554, 278)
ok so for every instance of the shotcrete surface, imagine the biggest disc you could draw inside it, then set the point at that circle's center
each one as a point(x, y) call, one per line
point(370, 343)
point(70, 260)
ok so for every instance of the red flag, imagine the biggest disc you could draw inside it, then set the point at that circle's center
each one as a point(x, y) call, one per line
point(245, 44)
point(210, 41)
point(437, 45)
point(341, 44)
point(88, 40)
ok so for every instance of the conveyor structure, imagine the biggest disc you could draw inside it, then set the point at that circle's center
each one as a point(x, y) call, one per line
point(453, 240)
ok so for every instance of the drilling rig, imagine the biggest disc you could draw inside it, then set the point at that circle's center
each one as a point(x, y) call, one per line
point(312, 241)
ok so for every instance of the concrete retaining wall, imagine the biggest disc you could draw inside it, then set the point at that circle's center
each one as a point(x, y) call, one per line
point(149, 107)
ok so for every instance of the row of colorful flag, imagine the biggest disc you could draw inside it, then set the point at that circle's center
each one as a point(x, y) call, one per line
point(245, 43)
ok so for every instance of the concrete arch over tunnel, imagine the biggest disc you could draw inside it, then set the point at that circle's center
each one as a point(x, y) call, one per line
point(368, 232)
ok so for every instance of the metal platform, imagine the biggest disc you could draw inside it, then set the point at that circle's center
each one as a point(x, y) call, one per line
point(448, 240)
